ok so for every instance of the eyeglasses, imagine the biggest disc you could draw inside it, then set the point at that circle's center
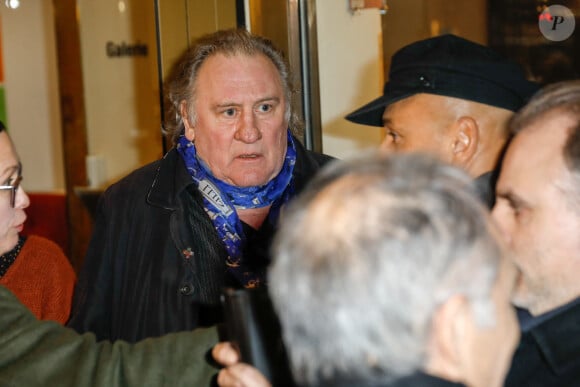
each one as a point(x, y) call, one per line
point(13, 188)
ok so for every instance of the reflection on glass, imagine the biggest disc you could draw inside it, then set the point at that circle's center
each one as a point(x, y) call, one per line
point(12, 4)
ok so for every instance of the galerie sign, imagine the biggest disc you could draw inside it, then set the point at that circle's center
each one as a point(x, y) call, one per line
point(117, 50)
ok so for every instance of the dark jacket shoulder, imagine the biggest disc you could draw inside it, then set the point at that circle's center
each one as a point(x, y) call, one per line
point(549, 353)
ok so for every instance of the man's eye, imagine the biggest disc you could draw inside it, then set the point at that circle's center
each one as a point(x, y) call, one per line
point(394, 136)
point(10, 181)
point(229, 112)
point(265, 107)
point(516, 209)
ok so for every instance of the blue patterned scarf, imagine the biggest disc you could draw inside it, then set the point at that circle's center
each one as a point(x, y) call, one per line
point(221, 199)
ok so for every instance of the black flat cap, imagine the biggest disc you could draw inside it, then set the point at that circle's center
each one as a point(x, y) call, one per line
point(450, 66)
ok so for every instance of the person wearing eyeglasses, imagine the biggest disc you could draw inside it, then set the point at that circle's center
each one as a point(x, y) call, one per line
point(35, 269)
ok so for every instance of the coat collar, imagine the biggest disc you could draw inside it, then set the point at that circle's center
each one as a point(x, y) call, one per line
point(562, 328)
point(416, 379)
point(171, 178)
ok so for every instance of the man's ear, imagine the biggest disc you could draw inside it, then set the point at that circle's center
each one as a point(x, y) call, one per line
point(448, 335)
point(465, 141)
point(189, 129)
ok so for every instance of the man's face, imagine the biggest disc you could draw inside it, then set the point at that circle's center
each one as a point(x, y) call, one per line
point(240, 131)
point(420, 123)
point(536, 216)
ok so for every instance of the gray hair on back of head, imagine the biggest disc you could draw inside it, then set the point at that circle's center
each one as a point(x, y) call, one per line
point(365, 256)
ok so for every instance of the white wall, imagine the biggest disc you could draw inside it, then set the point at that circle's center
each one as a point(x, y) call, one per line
point(350, 72)
point(32, 99)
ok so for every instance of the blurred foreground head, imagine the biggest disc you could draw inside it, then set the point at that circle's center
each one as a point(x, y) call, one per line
point(389, 266)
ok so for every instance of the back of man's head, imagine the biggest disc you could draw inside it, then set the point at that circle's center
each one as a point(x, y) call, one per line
point(364, 258)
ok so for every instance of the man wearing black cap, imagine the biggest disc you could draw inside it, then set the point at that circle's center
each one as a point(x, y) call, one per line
point(452, 98)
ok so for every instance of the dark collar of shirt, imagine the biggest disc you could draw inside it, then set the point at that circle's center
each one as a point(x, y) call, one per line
point(527, 321)
point(417, 379)
point(485, 187)
point(549, 350)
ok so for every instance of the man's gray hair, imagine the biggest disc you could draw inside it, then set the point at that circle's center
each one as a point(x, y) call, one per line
point(563, 97)
point(182, 81)
point(366, 255)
